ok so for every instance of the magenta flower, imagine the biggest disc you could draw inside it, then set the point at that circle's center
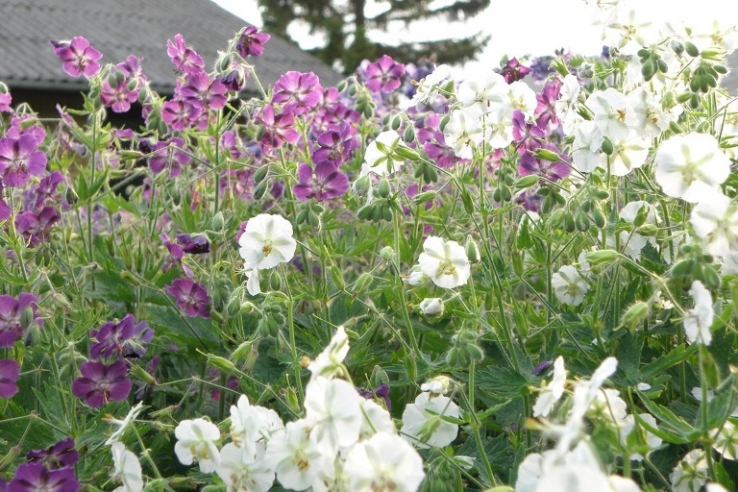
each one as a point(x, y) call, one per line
point(300, 92)
point(5, 98)
point(174, 157)
point(78, 56)
point(200, 89)
point(20, 159)
point(11, 314)
point(385, 75)
point(194, 245)
point(552, 171)
point(191, 297)
point(57, 456)
point(326, 183)
point(527, 136)
point(336, 146)
point(251, 42)
point(120, 95)
point(34, 477)
point(514, 71)
point(545, 111)
point(101, 384)
point(43, 192)
point(124, 339)
point(36, 227)
point(9, 374)
point(277, 129)
point(185, 59)
point(176, 253)
point(180, 115)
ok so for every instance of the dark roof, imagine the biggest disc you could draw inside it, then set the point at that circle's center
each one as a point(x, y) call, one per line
point(118, 28)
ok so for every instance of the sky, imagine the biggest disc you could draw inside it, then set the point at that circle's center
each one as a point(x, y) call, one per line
point(521, 27)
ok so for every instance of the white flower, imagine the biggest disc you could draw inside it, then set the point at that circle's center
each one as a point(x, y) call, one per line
point(122, 424)
point(332, 407)
point(699, 319)
point(464, 131)
point(127, 469)
point(267, 242)
point(715, 487)
point(376, 419)
point(415, 276)
point(445, 262)
point(569, 286)
point(490, 95)
point(609, 404)
point(628, 153)
point(651, 119)
point(586, 154)
point(567, 104)
point(729, 265)
point(691, 167)
point(715, 221)
point(726, 440)
point(439, 385)
point(252, 280)
point(196, 442)
point(612, 113)
point(331, 358)
point(431, 306)
point(429, 84)
point(629, 30)
point(652, 440)
point(381, 157)
point(690, 474)
point(295, 457)
point(244, 471)
point(522, 98)
point(422, 422)
point(384, 462)
point(643, 386)
point(552, 392)
point(251, 424)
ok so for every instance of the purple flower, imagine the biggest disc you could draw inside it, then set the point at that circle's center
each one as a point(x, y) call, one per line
point(335, 146)
point(200, 89)
point(527, 136)
point(545, 110)
point(173, 157)
point(276, 129)
point(251, 42)
point(513, 71)
point(385, 75)
point(9, 374)
point(176, 253)
point(5, 210)
point(191, 297)
point(327, 182)
point(185, 59)
point(45, 190)
point(552, 171)
point(20, 159)
point(5, 98)
point(542, 367)
point(300, 92)
point(120, 94)
point(381, 392)
point(125, 339)
point(34, 477)
point(36, 227)
point(101, 384)
point(194, 245)
point(180, 115)
point(78, 56)
point(11, 317)
point(57, 456)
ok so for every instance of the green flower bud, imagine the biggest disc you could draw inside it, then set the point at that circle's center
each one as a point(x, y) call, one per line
point(387, 253)
point(362, 185)
point(384, 188)
point(602, 257)
point(363, 283)
point(635, 314)
point(472, 250)
point(220, 363)
point(217, 222)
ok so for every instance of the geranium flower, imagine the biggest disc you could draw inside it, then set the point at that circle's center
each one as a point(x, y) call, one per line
point(250, 424)
point(423, 424)
point(184, 58)
point(326, 182)
point(464, 131)
point(57, 456)
point(118, 96)
point(431, 306)
point(123, 424)
point(101, 384)
point(384, 75)
point(335, 146)
point(267, 241)
point(277, 129)
point(127, 469)
point(691, 167)
point(329, 361)
point(376, 419)
point(196, 442)
point(78, 56)
point(11, 312)
point(300, 92)
point(20, 159)
point(175, 157)
point(699, 319)
point(36, 227)
point(242, 470)
point(180, 115)
point(9, 374)
point(192, 298)
point(552, 392)
point(691, 473)
point(445, 262)
point(384, 462)
point(514, 71)
point(295, 457)
point(569, 286)
point(715, 221)
point(381, 156)
point(124, 339)
point(488, 96)
point(5, 98)
point(333, 410)
point(34, 477)
point(612, 113)
point(199, 89)
point(251, 42)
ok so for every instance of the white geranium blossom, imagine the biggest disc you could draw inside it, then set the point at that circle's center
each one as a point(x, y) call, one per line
point(463, 132)
point(376, 419)
point(489, 95)
point(295, 457)
point(552, 392)
point(628, 154)
point(699, 319)
point(691, 167)
point(422, 422)
point(691, 473)
point(715, 221)
point(383, 462)
point(250, 424)
point(244, 471)
point(122, 424)
point(522, 98)
point(431, 306)
point(651, 119)
point(612, 113)
point(381, 157)
point(445, 262)
point(568, 103)
point(628, 425)
point(196, 442)
point(333, 409)
point(587, 154)
point(428, 85)
point(127, 469)
point(331, 358)
point(267, 242)
point(569, 286)
point(726, 440)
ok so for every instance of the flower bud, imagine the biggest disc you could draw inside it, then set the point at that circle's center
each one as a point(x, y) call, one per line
point(635, 314)
point(221, 363)
point(362, 185)
point(387, 253)
point(217, 222)
point(363, 283)
point(432, 306)
point(384, 188)
point(602, 257)
point(472, 250)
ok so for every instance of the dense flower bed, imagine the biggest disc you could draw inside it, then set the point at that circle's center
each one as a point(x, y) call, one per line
point(525, 280)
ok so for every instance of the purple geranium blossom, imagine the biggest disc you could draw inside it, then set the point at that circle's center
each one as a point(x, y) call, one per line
point(251, 42)
point(530, 200)
point(545, 111)
point(277, 129)
point(300, 92)
point(100, 384)
point(194, 245)
point(78, 56)
point(542, 367)
point(20, 159)
point(514, 71)
point(11, 317)
point(36, 227)
point(552, 171)
point(120, 94)
point(57, 456)
point(34, 477)
point(385, 75)
point(174, 157)
point(185, 59)
point(5, 98)
point(180, 115)
point(45, 190)
point(381, 392)
point(527, 137)
point(235, 79)
point(200, 89)
point(191, 297)
point(336, 146)
point(326, 183)
point(124, 339)
point(176, 253)
point(9, 374)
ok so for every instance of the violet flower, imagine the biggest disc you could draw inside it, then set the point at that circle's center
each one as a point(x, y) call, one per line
point(5, 99)
point(124, 339)
point(300, 92)
point(514, 71)
point(176, 253)
point(545, 110)
point(191, 297)
point(552, 171)
point(384, 75)
point(175, 157)
point(78, 56)
point(45, 190)
point(101, 384)
point(34, 477)
point(9, 374)
point(542, 367)
point(277, 129)
point(180, 115)
point(184, 58)
point(20, 159)
point(251, 42)
point(381, 392)
point(325, 183)
point(57, 456)
point(11, 317)
point(36, 227)
point(527, 137)
point(120, 95)
point(336, 146)
point(200, 89)
point(194, 245)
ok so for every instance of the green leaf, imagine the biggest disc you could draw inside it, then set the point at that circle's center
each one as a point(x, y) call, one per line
point(671, 428)
point(679, 354)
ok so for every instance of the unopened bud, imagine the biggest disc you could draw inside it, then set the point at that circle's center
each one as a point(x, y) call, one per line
point(387, 253)
point(472, 250)
point(602, 257)
point(635, 314)
point(217, 222)
point(432, 306)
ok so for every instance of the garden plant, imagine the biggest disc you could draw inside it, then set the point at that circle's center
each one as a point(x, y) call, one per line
point(524, 280)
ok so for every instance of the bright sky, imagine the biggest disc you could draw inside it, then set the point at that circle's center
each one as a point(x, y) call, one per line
point(520, 27)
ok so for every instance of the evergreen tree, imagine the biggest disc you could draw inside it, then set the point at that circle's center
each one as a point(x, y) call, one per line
point(345, 24)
